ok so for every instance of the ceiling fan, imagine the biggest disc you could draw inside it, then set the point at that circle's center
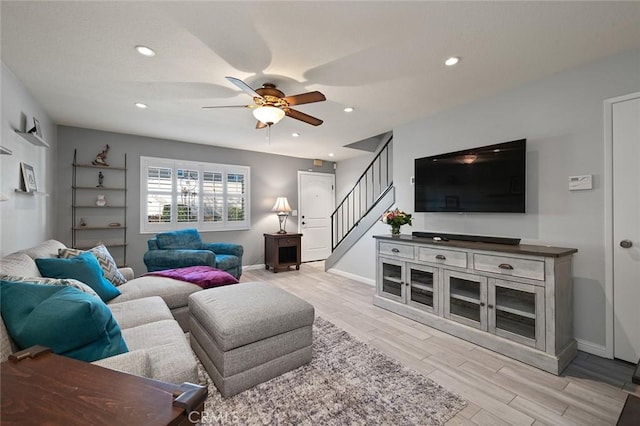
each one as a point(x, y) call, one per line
point(271, 105)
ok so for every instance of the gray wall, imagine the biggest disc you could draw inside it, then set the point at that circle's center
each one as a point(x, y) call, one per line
point(25, 220)
point(271, 176)
point(562, 118)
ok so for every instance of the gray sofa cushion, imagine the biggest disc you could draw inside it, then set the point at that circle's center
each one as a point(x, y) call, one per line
point(229, 313)
point(136, 363)
point(48, 248)
point(140, 311)
point(168, 348)
point(174, 293)
point(19, 264)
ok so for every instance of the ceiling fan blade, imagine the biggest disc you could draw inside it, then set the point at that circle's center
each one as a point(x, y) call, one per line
point(229, 106)
point(305, 98)
point(244, 87)
point(303, 117)
point(260, 125)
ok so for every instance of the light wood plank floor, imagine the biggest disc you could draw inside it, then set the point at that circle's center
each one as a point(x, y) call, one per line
point(500, 391)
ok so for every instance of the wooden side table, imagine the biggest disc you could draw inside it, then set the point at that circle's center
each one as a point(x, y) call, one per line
point(39, 387)
point(282, 250)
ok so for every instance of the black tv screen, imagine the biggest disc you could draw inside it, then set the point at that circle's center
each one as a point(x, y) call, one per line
point(489, 179)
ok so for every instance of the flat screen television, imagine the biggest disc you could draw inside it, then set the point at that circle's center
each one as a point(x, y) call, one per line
point(488, 179)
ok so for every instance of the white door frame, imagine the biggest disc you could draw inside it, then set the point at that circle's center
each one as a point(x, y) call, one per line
point(608, 218)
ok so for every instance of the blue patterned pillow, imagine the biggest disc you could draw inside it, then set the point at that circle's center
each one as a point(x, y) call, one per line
point(51, 281)
point(105, 260)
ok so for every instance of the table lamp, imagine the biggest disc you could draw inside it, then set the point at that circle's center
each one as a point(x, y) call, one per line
point(283, 209)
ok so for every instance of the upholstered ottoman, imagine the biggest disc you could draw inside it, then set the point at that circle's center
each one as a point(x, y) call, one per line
point(248, 333)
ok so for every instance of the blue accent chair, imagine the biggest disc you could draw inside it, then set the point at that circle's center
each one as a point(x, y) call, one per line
point(179, 249)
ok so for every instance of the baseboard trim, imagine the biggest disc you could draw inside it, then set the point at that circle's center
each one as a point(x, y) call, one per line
point(352, 276)
point(249, 267)
point(592, 348)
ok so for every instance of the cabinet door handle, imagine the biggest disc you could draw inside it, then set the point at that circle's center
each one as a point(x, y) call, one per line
point(440, 257)
point(481, 303)
point(490, 306)
point(505, 266)
point(395, 250)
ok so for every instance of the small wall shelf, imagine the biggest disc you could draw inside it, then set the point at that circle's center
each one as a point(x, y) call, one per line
point(91, 166)
point(5, 151)
point(32, 138)
point(32, 193)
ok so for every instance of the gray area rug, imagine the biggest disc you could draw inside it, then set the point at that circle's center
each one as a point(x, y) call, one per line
point(347, 383)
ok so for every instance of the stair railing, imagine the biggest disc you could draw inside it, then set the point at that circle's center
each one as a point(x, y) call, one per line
point(372, 185)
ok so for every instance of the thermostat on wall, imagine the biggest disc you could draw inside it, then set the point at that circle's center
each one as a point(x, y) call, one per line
point(577, 183)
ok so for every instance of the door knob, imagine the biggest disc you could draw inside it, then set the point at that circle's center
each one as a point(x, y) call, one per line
point(626, 244)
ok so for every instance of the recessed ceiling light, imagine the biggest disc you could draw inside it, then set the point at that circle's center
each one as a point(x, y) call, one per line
point(331, 154)
point(348, 109)
point(295, 135)
point(146, 51)
point(452, 61)
point(141, 105)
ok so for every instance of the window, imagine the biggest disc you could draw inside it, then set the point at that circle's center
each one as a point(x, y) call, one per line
point(206, 196)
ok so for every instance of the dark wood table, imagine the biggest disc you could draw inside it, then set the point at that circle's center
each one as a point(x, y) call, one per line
point(282, 250)
point(52, 389)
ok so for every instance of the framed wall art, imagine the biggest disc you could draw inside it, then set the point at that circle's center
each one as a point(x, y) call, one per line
point(28, 177)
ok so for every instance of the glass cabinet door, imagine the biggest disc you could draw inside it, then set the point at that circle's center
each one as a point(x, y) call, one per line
point(516, 312)
point(391, 279)
point(464, 299)
point(423, 287)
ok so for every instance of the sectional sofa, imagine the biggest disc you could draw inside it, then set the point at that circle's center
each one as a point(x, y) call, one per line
point(152, 313)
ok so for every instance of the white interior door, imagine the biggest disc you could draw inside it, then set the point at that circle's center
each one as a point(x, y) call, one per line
point(316, 203)
point(626, 229)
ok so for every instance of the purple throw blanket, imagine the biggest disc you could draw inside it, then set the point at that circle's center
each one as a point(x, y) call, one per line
point(204, 276)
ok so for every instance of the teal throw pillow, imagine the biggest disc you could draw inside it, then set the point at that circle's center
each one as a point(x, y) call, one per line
point(68, 321)
point(84, 267)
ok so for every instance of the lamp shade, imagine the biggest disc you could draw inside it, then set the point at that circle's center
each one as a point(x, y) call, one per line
point(282, 205)
point(268, 114)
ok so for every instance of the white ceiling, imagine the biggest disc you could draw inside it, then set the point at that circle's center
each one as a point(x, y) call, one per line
point(385, 59)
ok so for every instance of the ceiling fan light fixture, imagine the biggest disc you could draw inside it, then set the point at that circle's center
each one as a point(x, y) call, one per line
point(268, 114)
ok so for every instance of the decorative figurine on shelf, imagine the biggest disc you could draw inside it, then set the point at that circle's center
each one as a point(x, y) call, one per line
point(101, 159)
point(101, 201)
point(82, 222)
point(100, 180)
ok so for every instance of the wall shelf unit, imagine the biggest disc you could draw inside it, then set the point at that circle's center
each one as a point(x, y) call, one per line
point(97, 218)
point(32, 138)
point(515, 300)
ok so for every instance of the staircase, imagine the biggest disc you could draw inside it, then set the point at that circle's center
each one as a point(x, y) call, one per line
point(362, 207)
